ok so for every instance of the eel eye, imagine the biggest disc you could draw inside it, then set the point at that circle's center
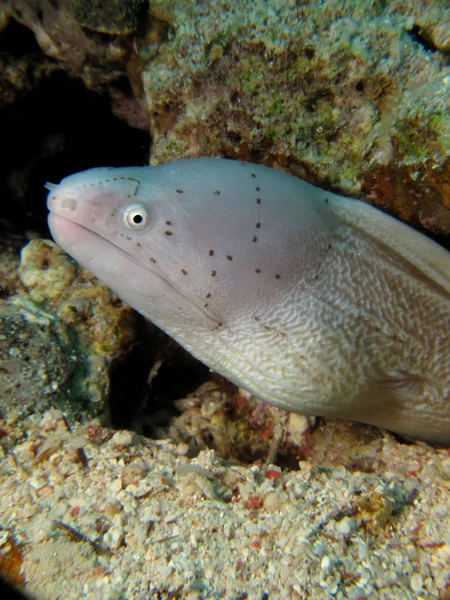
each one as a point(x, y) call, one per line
point(136, 217)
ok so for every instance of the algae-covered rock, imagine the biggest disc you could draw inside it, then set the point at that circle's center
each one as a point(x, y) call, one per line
point(65, 328)
point(45, 270)
point(349, 94)
point(37, 360)
point(113, 17)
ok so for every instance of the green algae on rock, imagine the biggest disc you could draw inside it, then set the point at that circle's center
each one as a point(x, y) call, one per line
point(90, 319)
point(342, 93)
point(38, 360)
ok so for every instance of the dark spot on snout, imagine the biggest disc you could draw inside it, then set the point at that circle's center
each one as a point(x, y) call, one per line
point(179, 191)
point(229, 257)
point(168, 232)
point(211, 252)
point(184, 271)
point(213, 273)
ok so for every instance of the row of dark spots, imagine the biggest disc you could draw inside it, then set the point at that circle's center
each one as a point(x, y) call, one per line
point(168, 232)
point(136, 181)
point(258, 224)
point(277, 275)
point(96, 183)
point(121, 178)
point(180, 191)
point(258, 201)
point(211, 253)
point(230, 258)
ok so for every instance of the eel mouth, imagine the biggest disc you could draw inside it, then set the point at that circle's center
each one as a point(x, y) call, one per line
point(93, 251)
point(70, 236)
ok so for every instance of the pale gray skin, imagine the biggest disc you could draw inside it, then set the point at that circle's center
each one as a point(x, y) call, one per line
point(314, 302)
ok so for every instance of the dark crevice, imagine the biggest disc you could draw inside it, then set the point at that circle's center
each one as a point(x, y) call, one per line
point(17, 40)
point(57, 129)
point(134, 403)
point(418, 35)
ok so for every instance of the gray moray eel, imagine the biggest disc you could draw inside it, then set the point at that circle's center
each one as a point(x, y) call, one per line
point(314, 302)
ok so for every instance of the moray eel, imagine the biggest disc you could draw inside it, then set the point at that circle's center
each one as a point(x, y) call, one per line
point(314, 302)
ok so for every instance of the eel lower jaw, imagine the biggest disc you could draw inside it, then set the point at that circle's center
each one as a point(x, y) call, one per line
point(86, 247)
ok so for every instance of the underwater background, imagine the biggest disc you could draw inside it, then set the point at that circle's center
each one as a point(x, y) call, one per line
point(127, 469)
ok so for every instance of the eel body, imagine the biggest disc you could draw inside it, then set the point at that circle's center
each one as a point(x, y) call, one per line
point(314, 302)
